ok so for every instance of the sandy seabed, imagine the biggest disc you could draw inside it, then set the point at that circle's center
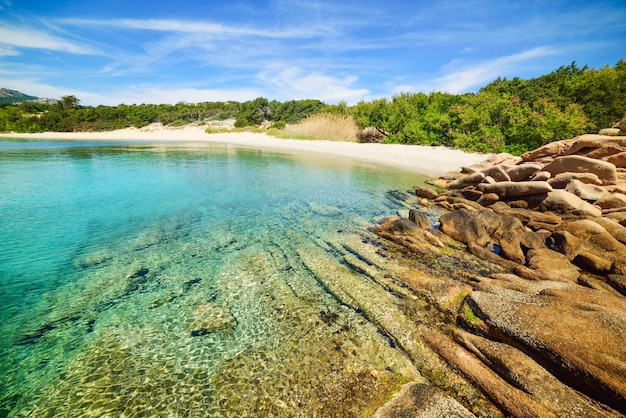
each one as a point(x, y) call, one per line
point(427, 160)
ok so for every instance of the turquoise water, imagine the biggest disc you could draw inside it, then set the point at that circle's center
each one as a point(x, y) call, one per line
point(169, 280)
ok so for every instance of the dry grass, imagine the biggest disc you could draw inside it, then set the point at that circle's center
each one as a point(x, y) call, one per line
point(321, 126)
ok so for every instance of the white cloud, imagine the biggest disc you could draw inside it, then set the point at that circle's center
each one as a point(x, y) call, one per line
point(460, 77)
point(186, 26)
point(31, 38)
point(293, 83)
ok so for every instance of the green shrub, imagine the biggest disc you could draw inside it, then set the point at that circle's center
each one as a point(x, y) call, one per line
point(278, 125)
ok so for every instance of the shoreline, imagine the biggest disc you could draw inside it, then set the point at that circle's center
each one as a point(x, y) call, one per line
point(427, 160)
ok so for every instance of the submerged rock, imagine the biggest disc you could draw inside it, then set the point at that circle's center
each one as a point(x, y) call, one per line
point(422, 401)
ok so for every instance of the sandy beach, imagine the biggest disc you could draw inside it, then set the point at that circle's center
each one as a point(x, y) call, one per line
point(427, 160)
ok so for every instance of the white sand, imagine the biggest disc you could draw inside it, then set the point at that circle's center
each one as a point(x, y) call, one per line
point(432, 161)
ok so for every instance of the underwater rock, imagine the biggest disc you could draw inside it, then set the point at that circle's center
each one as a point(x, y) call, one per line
point(426, 192)
point(422, 401)
point(208, 318)
point(406, 233)
point(419, 218)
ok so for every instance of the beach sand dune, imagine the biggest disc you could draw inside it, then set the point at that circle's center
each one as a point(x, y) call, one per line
point(426, 160)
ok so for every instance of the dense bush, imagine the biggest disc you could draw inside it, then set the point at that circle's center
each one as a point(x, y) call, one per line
point(294, 111)
point(506, 115)
point(253, 113)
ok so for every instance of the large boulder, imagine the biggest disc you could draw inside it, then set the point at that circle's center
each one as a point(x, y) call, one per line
point(576, 164)
point(471, 226)
point(419, 219)
point(485, 228)
point(609, 131)
point(618, 159)
point(563, 202)
point(615, 229)
point(472, 179)
point(605, 152)
point(619, 217)
point(426, 192)
point(548, 150)
point(523, 171)
point(580, 333)
point(510, 189)
point(594, 246)
point(552, 265)
point(497, 172)
point(560, 181)
point(588, 143)
point(541, 176)
point(526, 375)
point(530, 218)
point(589, 192)
point(611, 201)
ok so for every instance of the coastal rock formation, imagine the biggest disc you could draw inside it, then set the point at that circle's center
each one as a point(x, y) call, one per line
point(546, 335)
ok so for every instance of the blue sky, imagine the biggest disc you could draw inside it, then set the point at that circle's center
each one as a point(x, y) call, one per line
point(138, 51)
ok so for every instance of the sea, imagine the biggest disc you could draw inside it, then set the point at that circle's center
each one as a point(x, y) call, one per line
point(170, 279)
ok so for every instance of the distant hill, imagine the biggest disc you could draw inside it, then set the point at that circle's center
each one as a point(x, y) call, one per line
point(8, 96)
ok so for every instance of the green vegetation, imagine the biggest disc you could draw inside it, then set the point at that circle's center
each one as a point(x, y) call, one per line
point(469, 314)
point(504, 116)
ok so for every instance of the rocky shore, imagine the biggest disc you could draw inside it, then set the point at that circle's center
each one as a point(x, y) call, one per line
point(540, 331)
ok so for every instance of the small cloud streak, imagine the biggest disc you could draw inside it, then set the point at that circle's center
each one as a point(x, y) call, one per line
point(182, 26)
point(6, 51)
point(463, 79)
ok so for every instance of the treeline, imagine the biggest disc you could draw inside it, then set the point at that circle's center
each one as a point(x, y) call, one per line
point(68, 115)
point(510, 115)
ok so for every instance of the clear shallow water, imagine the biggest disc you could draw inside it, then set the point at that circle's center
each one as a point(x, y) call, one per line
point(161, 280)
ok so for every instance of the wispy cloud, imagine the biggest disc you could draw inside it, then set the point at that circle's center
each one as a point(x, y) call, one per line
point(6, 51)
point(461, 77)
point(188, 26)
point(22, 37)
